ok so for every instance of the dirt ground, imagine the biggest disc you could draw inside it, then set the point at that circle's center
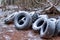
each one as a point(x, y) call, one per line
point(8, 32)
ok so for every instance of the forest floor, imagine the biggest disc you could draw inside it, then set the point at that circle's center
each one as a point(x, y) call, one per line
point(8, 32)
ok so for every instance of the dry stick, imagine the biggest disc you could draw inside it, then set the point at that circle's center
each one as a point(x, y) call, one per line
point(26, 3)
point(53, 7)
point(29, 4)
point(57, 2)
point(49, 2)
point(32, 3)
point(17, 5)
point(47, 9)
point(39, 3)
point(18, 2)
point(36, 1)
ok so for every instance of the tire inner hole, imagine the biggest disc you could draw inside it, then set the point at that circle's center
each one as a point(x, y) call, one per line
point(40, 23)
point(44, 27)
point(21, 19)
point(21, 22)
point(52, 20)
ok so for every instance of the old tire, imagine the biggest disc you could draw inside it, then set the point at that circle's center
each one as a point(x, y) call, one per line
point(38, 24)
point(34, 17)
point(43, 16)
point(57, 30)
point(47, 31)
point(10, 18)
point(27, 21)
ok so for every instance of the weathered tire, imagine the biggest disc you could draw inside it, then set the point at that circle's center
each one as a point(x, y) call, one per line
point(27, 21)
point(38, 24)
point(43, 16)
point(10, 18)
point(34, 16)
point(57, 30)
point(47, 31)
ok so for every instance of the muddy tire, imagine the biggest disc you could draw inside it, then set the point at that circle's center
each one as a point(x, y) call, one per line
point(34, 17)
point(57, 30)
point(47, 31)
point(23, 20)
point(10, 18)
point(38, 24)
point(43, 16)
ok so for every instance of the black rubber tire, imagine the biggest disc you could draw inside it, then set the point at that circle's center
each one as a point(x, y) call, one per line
point(34, 17)
point(38, 24)
point(43, 16)
point(47, 31)
point(10, 18)
point(57, 30)
point(27, 23)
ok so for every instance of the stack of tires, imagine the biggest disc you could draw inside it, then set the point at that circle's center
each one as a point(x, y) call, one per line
point(47, 27)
